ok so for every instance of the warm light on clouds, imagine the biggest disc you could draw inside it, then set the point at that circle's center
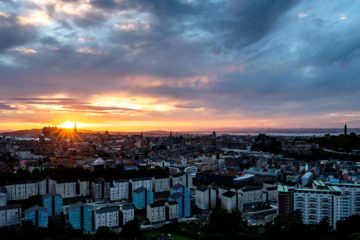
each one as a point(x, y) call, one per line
point(125, 27)
point(4, 14)
point(25, 50)
point(131, 102)
point(89, 51)
point(35, 18)
point(66, 7)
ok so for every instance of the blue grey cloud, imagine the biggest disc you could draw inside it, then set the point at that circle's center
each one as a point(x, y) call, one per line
point(226, 56)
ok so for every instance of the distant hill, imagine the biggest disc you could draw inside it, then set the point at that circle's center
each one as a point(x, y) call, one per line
point(235, 131)
point(22, 133)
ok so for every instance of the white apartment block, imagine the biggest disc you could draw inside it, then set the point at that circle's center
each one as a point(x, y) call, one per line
point(119, 190)
point(179, 179)
point(127, 212)
point(250, 196)
point(100, 189)
point(172, 211)
point(213, 197)
point(136, 183)
point(228, 201)
point(318, 204)
point(3, 197)
point(191, 169)
point(351, 197)
point(271, 193)
point(84, 188)
point(10, 215)
point(106, 217)
point(202, 198)
point(70, 189)
point(22, 191)
point(156, 213)
point(174, 171)
point(42, 187)
point(222, 190)
point(66, 189)
point(161, 184)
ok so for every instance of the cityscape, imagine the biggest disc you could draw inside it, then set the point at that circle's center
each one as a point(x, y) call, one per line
point(179, 119)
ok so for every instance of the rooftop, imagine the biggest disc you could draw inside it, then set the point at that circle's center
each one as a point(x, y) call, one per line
point(34, 208)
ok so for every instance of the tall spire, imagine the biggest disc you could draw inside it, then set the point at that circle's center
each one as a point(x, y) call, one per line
point(75, 130)
point(345, 129)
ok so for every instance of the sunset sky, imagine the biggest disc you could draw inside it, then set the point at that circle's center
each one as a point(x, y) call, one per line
point(131, 65)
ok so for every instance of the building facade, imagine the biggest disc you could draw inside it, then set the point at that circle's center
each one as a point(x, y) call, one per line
point(181, 194)
point(141, 197)
point(172, 210)
point(161, 184)
point(80, 217)
point(202, 197)
point(127, 213)
point(38, 215)
point(100, 189)
point(10, 215)
point(156, 213)
point(119, 190)
point(53, 203)
point(106, 217)
point(228, 201)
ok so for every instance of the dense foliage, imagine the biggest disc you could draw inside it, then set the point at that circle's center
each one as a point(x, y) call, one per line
point(221, 225)
point(341, 143)
point(62, 173)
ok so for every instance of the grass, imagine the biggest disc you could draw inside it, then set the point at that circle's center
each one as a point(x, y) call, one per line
point(173, 236)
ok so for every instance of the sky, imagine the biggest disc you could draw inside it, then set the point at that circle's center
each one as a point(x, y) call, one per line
point(138, 65)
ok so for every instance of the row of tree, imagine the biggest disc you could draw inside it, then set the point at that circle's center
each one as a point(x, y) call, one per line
point(62, 173)
point(221, 225)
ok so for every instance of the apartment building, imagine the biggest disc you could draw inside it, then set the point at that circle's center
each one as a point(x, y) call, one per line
point(80, 217)
point(316, 205)
point(181, 194)
point(156, 213)
point(250, 196)
point(172, 210)
point(22, 191)
point(322, 202)
point(10, 215)
point(53, 203)
point(106, 217)
point(351, 197)
point(161, 184)
point(38, 215)
point(100, 189)
point(228, 201)
point(202, 197)
point(127, 213)
point(141, 197)
point(119, 190)
point(3, 198)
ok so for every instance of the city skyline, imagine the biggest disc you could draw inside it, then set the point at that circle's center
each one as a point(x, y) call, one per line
point(184, 65)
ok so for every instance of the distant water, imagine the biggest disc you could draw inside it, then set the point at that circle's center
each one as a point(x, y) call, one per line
point(316, 134)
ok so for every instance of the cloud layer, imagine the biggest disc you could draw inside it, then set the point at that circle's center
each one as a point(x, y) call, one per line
point(180, 64)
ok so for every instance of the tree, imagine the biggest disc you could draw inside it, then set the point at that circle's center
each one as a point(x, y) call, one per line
point(105, 233)
point(131, 229)
point(223, 225)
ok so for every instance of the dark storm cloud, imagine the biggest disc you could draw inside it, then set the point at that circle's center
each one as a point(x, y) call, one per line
point(14, 34)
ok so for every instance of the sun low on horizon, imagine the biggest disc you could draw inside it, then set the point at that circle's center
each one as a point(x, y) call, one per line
point(67, 125)
point(73, 125)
